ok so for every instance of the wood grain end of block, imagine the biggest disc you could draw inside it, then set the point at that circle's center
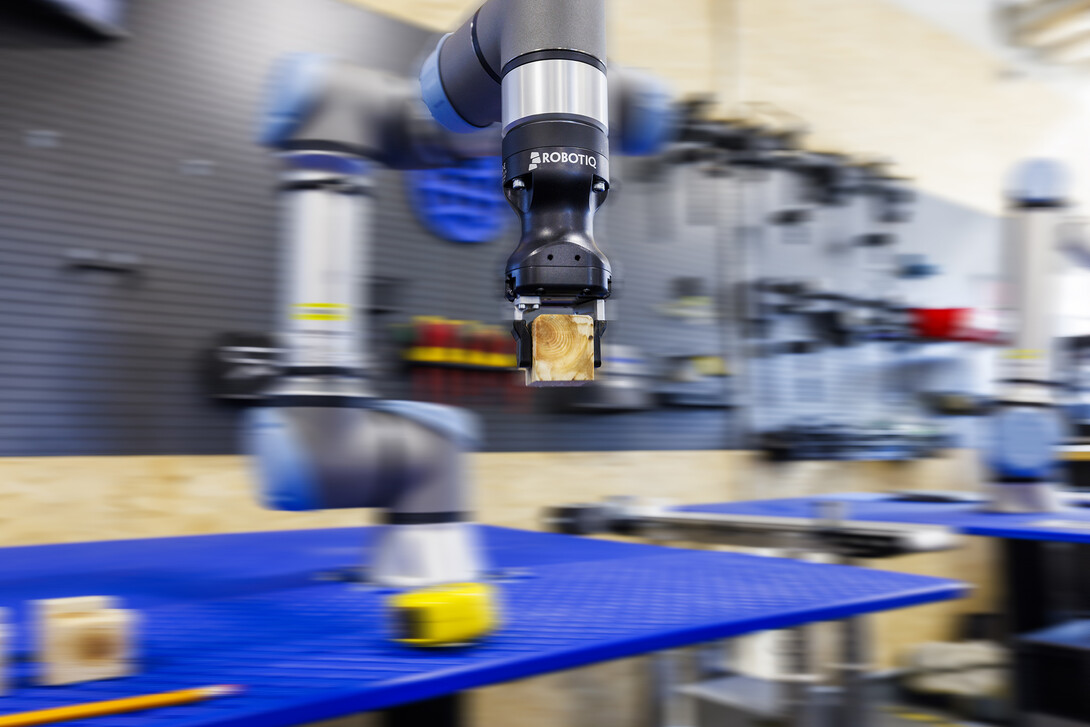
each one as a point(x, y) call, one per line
point(563, 350)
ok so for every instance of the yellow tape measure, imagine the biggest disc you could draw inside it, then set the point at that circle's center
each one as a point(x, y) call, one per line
point(446, 615)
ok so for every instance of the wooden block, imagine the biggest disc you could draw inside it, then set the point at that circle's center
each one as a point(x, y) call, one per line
point(563, 350)
point(46, 611)
point(79, 640)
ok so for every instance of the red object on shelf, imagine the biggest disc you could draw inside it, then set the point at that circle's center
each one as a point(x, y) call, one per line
point(427, 380)
point(951, 324)
point(948, 323)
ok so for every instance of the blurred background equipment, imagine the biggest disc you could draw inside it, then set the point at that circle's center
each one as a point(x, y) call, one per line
point(463, 203)
point(240, 367)
point(1026, 425)
point(460, 362)
point(817, 313)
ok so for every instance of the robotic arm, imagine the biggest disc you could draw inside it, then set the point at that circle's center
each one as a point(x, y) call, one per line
point(539, 69)
point(323, 439)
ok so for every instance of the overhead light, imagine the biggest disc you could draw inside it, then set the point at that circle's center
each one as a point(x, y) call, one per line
point(1034, 23)
point(1072, 48)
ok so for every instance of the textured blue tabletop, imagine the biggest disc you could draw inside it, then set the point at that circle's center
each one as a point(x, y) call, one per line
point(1071, 525)
point(248, 609)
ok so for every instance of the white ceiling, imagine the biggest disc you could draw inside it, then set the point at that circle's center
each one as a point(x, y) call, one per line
point(970, 20)
point(1067, 138)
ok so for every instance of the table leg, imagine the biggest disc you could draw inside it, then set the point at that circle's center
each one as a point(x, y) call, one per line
point(1025, 580)
point(854, 670)
point(664, 680)
point(445, 711)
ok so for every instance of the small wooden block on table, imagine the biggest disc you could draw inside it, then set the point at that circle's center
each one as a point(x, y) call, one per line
point(563, 350)
point(84, 639)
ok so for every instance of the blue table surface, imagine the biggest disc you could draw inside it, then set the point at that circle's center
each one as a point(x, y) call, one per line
point(1071, 525)
point(248, 609)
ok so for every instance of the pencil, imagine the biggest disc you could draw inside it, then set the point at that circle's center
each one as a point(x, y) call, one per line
point(117, 706)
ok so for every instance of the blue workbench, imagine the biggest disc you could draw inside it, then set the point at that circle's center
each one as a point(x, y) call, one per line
point(1072, 525)
point(248, 609)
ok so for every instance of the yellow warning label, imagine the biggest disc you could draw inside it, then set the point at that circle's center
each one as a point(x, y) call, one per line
point(1024, 353)
point(321, 312)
